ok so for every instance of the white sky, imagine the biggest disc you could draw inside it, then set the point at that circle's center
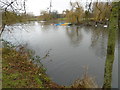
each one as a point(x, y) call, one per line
point(35, 6)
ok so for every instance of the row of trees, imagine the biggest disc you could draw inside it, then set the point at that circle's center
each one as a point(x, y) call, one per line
point(46, 15)
point(97, 11)
point(9, 17)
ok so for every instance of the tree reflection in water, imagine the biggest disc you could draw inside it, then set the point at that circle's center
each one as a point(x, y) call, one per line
point(99, 39)
point(75, 35)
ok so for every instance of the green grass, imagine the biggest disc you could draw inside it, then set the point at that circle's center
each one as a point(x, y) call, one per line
point(11, 80)
point(19, 72)
point(111, 47)
point(62, 19)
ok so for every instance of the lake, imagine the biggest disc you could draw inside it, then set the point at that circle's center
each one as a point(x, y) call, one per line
point(71, 50)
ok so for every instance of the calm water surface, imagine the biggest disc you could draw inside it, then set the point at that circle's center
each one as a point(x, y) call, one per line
point(71, 49)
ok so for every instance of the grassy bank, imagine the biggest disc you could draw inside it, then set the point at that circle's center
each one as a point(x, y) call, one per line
point(19, 72)
point(113, 30)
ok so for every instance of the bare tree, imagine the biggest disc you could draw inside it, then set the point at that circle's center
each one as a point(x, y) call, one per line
point(13, 5)
point(75, 14)
point(16, 6)
point(89, 6)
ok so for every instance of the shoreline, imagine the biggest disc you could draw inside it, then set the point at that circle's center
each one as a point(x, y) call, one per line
point(20, 72)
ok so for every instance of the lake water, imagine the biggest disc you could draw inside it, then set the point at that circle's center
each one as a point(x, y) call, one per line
point(71, 49)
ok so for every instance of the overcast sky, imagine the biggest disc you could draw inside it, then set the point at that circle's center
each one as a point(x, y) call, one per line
point(35, 6)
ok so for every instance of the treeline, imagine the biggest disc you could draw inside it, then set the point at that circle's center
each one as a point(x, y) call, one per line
point(96, 11)
point(10, 17)
point(46, 15)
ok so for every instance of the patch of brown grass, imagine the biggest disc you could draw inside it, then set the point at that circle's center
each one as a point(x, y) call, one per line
point(85, 82)
point(19, 72)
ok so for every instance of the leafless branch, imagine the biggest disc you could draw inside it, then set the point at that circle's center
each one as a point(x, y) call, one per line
point(13, 5)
